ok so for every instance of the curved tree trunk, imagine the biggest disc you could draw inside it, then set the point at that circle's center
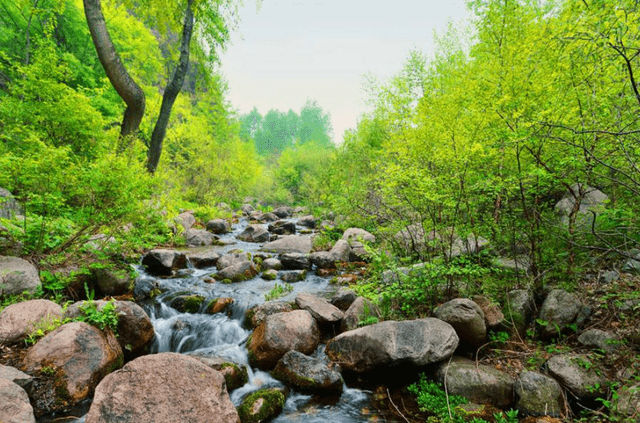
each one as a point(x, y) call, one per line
point(170, 94)
point(126, 87)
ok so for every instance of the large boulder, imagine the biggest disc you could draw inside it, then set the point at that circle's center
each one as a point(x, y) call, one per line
point(17, 276)
point(539, 395)
point(80, 355)
point(164, 262)
point(578, 374)
point(256, 315)
point(343, 298)
point(559, 309)
point(235, 375)
point(254, 233)
point(163, 388)
point(319, 308)
point(307, 374)
point(359, 311)
point(478, 383)
point(135, 330)
point(467, 319)
point(199, 238)
point(282, 332)
point(18, 320)
point(218, 226)
point(289, 244)
point(391, 343)
point(203, 259)
point(295, 261)
point(14, 404)
point(356, 234)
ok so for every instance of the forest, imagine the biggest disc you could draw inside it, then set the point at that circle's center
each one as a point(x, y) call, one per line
point(535, 103)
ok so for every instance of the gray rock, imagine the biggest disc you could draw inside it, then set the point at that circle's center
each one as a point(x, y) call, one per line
point(358, 252)
point(218, 226)
point(283, 212)
point(307, 221)
point(307, 374)
point(9, 207)
point(359, 311)
point(255, 215)
point(235, 374)
point(256, 315)
point(471, 245)
point(272, 263)
point(231, 258)
point(467, 319)
point(163, 262)
point(608, 276)
point(268, 217)
point(283, 227)
point(270, 275)
point(185, 219)
point(493, 317)
point(295, 261)
point(18, 320)
point(291, 276)
point(301, 210)
point(591, 200)
point(238, 272)
point(391, 343)
point(356, 234)
point(578, 374)
point(632, 265)
point(478, 383)
point(254, 233)
point(203, 259)
point(340, 252)
point(628, 404)
point(559, 309)
point(112, 281)
point(319, 308)
point(17, 276)
point(539, 395)
point(520, 264)
point(14, 404)
point(14, 375)
point(596, 338)
point(289, 244)
point(343, 298)
point(246, 209)
point(199, 238)
point(519, 309)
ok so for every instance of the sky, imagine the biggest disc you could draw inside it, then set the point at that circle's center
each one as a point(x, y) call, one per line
point(287, 52)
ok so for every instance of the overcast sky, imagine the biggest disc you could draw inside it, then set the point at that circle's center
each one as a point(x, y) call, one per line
point(290, 51)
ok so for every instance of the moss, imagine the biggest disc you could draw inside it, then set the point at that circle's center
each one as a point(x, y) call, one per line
point(293, 379)
point(192, 304)
point(237, 377)
point(227, 281)
point(273, 399)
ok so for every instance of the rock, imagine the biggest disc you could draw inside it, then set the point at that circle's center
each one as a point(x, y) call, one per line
point(340, 252)
point(559, 309)
point(80, 355)
point(163, 262)
point(356, 234)
point(307, 374)
point(319, 308)
point(415, 239)
point(135, 330)
point(519, 264)
point(272, 263)
point(282, 227)
point(295, 261)
point(289, 244)
point(231, 258)
point(219, 305)
point(9, 207)
point(493, 317)
point(238, 272)
point(235, 375)
point(327, 225)
point(307, 221)
point(20, 319)
point(14, 403)
point(358, 252)
point(628, 404)
point(254, 233)
point(261, 406)
point(255, 215)
point(282, 332)
point(387, 344)
point(519, 308)
point(185, 219)
point(478, 383)
point(17, 276)
point(632, 265)
point(539, 395)
point(578, 374)
point(596, 338)
point(283, 212)
point(112, 281)
point(343, 298)
point(471, 245)
point(300, 210)
point(467, 319)
point(218, 226)
point(160, 387)
point(199, 238)
point(146, 288)
point(608, 276)
point(186, 303)
point(203, 259)
point(591, 200)
point(359, 311)
point(270, 275)
point(256, 315)
point(268, 217)
point(246, 209)
point(292, 276)
point(14, 375)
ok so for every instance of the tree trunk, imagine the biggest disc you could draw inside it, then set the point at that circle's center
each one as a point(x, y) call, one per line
point(170, 94)
point(127, 89)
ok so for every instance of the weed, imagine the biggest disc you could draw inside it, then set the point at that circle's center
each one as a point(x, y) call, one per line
point(433, 399)
point(278, 291)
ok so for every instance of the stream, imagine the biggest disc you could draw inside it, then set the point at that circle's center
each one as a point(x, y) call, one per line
point(223, 335)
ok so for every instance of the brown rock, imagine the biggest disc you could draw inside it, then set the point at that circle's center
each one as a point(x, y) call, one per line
point(358, 311)
point(18, 320)
point(256, 315)
point(282, 332)
point(493, 316)
point(80, 354)
point(163, 388)
point(17, 275)
point(14, 404)
point(219, 305)
point(320, 309)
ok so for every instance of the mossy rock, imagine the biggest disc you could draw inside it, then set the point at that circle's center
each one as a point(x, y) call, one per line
point(261, 406)
point(187, 303)
point(236, 376)
point(270, 275)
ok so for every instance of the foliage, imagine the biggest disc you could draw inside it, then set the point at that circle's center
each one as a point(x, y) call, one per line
point(106, 317)
point(278, 291)
point(433, 399)
point(44, 326)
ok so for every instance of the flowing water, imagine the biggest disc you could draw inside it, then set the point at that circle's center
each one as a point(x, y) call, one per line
point(224, 336)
